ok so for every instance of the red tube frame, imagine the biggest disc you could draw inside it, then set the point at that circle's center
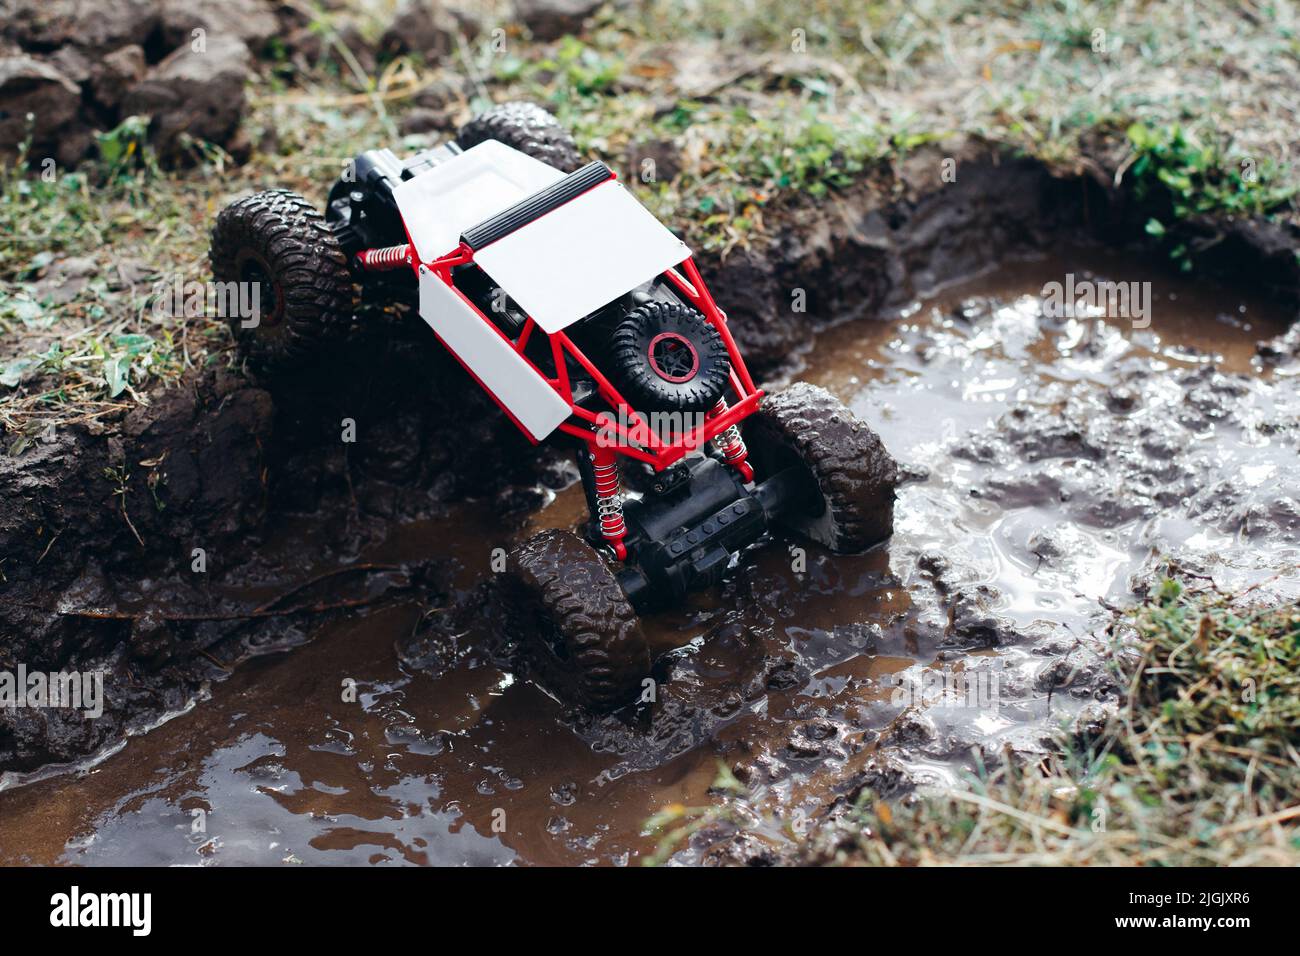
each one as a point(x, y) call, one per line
point(645, 445)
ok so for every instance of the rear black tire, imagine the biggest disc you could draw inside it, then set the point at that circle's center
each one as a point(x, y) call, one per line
point(850, 504)
point(581, 634)
point(307, 296)
point(525, 127)
point(643, 370)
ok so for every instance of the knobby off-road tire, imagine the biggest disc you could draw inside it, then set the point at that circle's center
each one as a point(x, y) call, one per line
point(580, 632)
point(525, 127)
point(644, 367)
point(307, 295)
point(854, 476)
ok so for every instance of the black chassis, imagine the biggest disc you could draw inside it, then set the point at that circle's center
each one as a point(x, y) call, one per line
point(689, 522)
point(361, 209)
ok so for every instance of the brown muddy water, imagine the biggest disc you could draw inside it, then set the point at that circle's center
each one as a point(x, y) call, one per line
point(1052, 463)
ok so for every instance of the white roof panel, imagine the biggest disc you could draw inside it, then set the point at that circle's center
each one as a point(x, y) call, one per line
point(581, 256)
point(440, 204)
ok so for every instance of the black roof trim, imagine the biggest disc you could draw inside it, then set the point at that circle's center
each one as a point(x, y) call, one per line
point(535, 206)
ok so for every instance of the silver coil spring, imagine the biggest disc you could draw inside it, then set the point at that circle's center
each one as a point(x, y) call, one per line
point(390, 257)
point(728, 442)
point(609, 498)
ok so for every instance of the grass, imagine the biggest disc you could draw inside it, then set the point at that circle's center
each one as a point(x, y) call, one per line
point(1040, 75)
point(1200, 765)
point(676, 823)
point(99, 353)
point(751, 102)
point(1190, 179)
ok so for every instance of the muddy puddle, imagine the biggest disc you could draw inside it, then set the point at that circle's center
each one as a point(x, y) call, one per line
point(1053, 463)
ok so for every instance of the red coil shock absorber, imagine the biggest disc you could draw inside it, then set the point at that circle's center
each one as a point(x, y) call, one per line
point(388, 258)
point(730, 445)
point(609, 499)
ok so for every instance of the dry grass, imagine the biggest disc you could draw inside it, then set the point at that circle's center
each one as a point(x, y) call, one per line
point(1199, 766)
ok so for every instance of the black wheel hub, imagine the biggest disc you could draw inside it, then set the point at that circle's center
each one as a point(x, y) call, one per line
point(673, 357)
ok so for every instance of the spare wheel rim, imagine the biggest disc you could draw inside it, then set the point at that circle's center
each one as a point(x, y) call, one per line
point(673, 357)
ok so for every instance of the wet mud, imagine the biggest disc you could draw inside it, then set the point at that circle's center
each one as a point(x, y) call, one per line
point(1052, 466)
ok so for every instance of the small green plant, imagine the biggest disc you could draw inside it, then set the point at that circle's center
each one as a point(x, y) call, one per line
point(120, 478)
point(575, 69)
point(1190, 179)
point(811, 155)
point(128, 354)
point(677, 823)
point(125, 149)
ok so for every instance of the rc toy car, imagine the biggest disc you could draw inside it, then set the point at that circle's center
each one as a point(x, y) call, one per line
point(587, 321)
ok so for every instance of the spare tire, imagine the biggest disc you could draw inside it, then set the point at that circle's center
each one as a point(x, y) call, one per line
point(667, 357)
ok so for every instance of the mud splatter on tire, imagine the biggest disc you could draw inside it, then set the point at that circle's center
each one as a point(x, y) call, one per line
point(583, 636)
point(855, 475)
point(278, 238)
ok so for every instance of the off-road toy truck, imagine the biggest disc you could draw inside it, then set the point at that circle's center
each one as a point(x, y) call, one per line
point(587, 321)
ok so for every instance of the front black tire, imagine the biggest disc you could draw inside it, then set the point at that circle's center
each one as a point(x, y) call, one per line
point(278, 240)
point(850, 501)
point(525, 127)
point(581, 634)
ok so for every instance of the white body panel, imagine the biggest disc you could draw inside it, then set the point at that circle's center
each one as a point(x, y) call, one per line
point(501, 369)
point(438, 205)
point(581, 256)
